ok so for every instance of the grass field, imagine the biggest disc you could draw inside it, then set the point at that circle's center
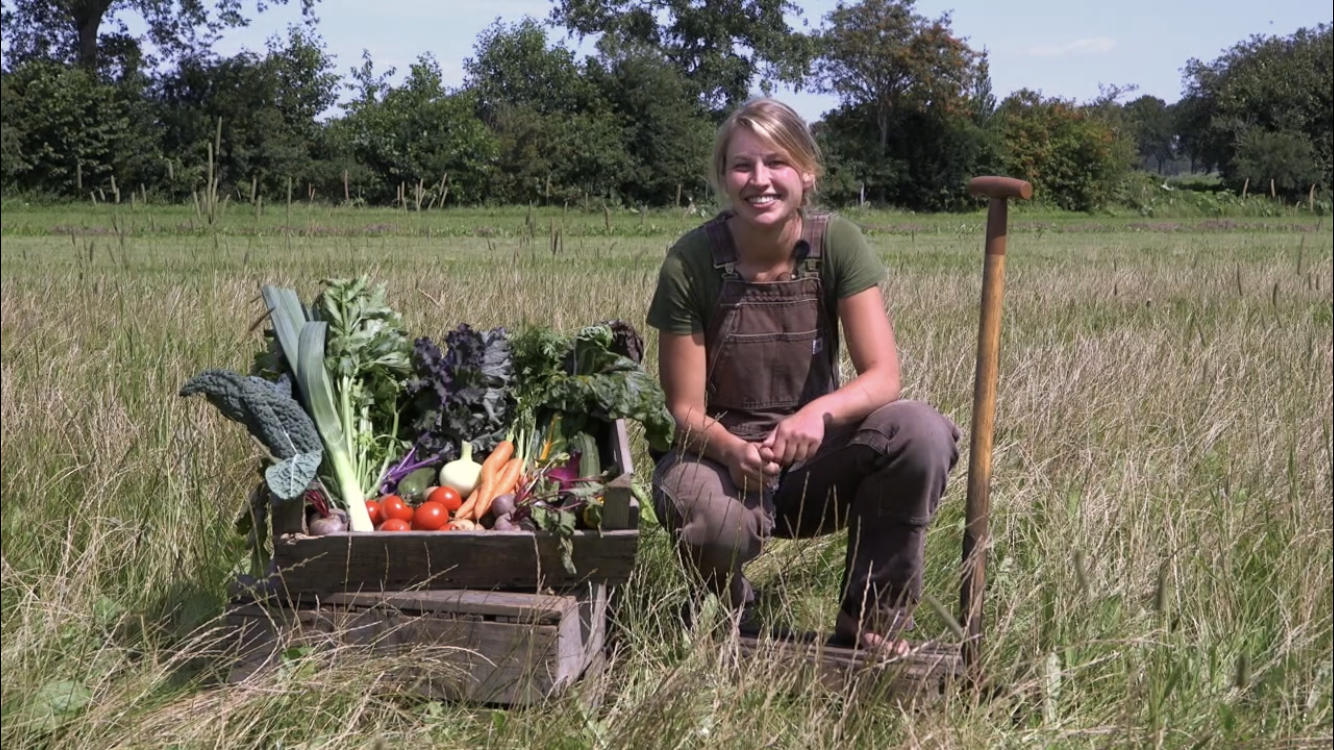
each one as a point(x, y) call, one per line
point(1162, 499)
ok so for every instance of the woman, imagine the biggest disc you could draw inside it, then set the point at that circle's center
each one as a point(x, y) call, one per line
point(748, 308)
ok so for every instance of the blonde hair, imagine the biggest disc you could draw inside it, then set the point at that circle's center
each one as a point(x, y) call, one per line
point(776, 123)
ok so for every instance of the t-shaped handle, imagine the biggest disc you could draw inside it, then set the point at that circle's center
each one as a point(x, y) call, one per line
point(1000, 187)
point(999, 190)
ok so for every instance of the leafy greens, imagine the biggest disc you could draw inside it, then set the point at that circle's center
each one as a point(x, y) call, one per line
point(461, 394)
point(273, 417)
point(593, 375)
point(349, 355)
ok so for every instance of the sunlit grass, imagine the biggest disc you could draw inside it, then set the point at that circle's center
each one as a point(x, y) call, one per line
point(1162, 497)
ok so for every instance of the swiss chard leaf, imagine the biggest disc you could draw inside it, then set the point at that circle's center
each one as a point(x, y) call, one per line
point(591, 377)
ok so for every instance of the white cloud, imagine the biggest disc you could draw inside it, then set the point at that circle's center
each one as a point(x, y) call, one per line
point(1096, 46)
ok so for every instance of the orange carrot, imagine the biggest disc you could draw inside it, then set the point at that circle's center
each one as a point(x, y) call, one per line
point(486, 480)
point(498, 457)
point(506, 481)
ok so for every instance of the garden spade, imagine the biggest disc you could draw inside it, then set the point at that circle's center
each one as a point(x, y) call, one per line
point(999, 190)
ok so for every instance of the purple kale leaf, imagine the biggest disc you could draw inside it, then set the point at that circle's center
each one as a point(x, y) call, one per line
point(464, 393)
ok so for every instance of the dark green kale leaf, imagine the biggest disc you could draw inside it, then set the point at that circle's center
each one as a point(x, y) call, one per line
point(270, 414)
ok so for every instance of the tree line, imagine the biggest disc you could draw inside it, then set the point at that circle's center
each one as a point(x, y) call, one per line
point(90, 108)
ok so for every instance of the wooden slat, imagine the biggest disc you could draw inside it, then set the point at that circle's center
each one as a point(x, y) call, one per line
point(455, 654)
point(620, 448)
point(288, 517)
point(537, 609)
point(617, 504)
point(395, 561)
point(928, 668)
point(619, 507)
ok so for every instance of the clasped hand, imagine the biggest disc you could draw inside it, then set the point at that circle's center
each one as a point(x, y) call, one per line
point(792, 441)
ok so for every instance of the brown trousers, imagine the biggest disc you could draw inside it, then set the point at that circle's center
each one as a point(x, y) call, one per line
point(882, 480)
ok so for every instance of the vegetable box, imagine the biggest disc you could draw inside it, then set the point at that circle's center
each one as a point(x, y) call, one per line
point(517, 560)
point(462, 458)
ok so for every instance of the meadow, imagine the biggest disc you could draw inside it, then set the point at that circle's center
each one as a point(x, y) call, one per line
point(1162, 501)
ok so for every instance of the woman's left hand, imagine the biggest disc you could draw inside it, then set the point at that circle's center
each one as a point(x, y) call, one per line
point(795, 439)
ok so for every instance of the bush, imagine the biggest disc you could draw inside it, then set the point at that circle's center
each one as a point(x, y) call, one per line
point(1073, 158)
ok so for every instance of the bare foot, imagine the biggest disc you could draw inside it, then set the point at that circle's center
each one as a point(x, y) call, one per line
point(850, 629)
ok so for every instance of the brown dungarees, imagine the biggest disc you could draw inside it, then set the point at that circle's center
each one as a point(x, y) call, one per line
point(771, 348)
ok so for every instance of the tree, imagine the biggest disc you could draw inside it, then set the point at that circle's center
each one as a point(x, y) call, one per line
point(267, 106)
point(1070, 154)
point(1268, 84)
point(1285, 158)
point(418, 131)
point(1154, 128)
point(73, 133)
point(878, 54)
point(513, 66)
point(536, 102)
point(720, 46)
point(665, 133)
point(73, 30)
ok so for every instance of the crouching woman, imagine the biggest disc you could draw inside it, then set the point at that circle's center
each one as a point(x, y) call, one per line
point(749, 307)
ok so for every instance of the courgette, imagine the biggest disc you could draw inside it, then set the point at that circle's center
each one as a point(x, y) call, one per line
point(590, 463)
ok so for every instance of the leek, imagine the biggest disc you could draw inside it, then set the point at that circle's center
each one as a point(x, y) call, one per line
point(302, 343)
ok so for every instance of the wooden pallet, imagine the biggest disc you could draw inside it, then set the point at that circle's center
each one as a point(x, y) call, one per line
point(925, 672)
point(493, 647)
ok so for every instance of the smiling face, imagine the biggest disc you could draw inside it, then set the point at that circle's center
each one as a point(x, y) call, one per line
point(765, 164)
point(764, 184)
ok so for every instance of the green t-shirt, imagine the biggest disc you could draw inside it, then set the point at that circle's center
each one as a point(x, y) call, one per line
point(688, 284)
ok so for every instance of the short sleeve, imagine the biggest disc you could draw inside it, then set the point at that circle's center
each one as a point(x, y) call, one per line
point(674, 307)
point(854, 265)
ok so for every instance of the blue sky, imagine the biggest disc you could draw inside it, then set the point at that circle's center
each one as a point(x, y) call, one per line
point(1060, 48)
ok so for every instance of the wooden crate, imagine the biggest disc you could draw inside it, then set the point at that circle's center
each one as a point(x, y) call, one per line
point(489, 647)
point(489, 560)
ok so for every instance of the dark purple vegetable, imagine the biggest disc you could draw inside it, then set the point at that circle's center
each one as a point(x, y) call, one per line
point(503, 505)
point(334, 523)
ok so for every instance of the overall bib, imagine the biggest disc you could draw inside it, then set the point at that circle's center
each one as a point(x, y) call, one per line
point(771, 348)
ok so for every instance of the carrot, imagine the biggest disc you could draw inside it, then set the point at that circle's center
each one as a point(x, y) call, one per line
point(499, 455)
point(483, 487)
point(506, 481)
point(486, 480)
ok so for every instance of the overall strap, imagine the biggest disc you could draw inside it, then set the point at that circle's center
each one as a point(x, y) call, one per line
point(810, 249)
point(721, 245)
point(808, 254)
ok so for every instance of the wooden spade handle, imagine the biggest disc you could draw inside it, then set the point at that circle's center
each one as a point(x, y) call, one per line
point(975, 538)
point(1000, 187)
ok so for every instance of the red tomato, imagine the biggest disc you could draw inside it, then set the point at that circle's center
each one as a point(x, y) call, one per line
point(395, 524)
point(446, 496)
point(430, 516)
point(375, 511)
point(392, 506)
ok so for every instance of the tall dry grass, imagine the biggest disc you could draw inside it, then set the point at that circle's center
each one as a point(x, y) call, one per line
point(1162, 563)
